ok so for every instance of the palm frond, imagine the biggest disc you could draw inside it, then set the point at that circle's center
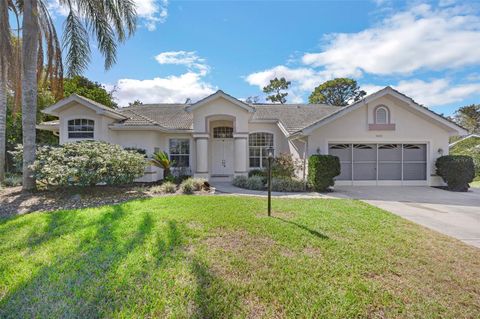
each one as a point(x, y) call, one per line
point(75, 41)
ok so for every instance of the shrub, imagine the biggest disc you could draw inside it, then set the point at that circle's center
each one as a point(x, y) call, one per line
point(456, 170)
point(285, 184)
point(257, 172)
point(471, 147)
point(161, 159)
point(12, 180)
point(255, 183)
point(168, 187)
point(321, 171)
point(187, 186)
point(137, 150)
point(86, 163)
point(199, 183)
point(240, 181)
point(284, 165)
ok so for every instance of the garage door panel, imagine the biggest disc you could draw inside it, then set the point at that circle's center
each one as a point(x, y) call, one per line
point(364, 152)
point(364, 171)
point(414, 171)
point(345, 172)
point(389, 152)
point(414, 152)
point(343, 151)
point(366, 159)
point(390, 171)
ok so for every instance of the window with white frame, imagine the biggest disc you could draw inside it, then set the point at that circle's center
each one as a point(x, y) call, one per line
point(381, 115)
point(258, 145)
point(179, 150)
point(80, 128)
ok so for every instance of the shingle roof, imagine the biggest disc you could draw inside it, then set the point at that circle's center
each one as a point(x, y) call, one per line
point(168, 116)
point(293, 117)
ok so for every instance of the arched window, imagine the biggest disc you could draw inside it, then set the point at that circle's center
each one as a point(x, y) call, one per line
point(258, 145)
point(381, 115)
point(80, 128)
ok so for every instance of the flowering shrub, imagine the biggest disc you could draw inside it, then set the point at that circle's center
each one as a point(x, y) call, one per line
point(86, 164)
point(284, 165)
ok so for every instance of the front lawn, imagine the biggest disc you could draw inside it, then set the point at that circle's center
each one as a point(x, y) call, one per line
point(475, 184)
point(221, 257)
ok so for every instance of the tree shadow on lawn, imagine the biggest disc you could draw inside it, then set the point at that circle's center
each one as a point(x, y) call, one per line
point(78, 284)
point(212, 298)
point(95, 279)
point(311, 231)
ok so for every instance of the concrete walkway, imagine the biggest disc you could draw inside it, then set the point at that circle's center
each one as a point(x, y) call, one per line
point(451, 213)
point(226, 188)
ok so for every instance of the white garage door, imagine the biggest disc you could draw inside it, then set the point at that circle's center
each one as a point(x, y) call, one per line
point(381, 162)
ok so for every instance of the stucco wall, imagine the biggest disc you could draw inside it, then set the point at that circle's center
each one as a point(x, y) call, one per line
point(77, 111)
point(409, 128)
point(223, 108)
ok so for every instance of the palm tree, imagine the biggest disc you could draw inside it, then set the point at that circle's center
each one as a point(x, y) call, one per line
point(108, 21)
point(5, 57)
point(48, 72)
point(161, 159)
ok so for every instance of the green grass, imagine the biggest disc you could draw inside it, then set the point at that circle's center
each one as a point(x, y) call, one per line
point(475, 184)
point(221, 257)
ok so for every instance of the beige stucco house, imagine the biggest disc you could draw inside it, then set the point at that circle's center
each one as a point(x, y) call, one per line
point(384, 139)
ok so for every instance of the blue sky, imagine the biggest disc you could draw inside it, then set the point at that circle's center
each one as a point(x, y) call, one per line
point(188, 49)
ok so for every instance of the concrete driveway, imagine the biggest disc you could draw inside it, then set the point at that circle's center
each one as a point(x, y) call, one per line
point(451, 213)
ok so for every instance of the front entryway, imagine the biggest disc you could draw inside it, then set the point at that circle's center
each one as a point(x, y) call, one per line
point(222, 151)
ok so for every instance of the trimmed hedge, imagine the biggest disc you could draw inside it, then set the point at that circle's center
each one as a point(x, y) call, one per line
point(456, 170)
point(321, 171)
point(286, 184)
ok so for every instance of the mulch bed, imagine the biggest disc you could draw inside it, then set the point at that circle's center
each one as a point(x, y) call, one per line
point(15, 202)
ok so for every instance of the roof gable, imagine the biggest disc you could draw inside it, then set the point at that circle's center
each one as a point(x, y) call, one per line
point(440, 120)
point(217, 95)
point(93, 105)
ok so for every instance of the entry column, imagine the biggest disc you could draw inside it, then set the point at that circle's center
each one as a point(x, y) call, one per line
point(240, 147)
point(201, 150)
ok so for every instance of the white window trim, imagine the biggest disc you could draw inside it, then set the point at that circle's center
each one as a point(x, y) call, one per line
point(189, 150)
point(387, 115)
point(80, 138)
point(259, 147)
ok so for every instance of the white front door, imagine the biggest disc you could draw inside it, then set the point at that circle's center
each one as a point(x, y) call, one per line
point(222, 162)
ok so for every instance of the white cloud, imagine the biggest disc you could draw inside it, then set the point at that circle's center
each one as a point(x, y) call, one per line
point(420, 38)
point(303, 79)
point(188, 58)
point(149, 12)
point(433, 93)
point(437, 92)
point(306, 78)
point(152, 12)
point(170, 89)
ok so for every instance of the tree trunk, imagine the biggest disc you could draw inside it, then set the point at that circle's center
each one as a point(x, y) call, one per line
point(3, 119)
point(29, 89)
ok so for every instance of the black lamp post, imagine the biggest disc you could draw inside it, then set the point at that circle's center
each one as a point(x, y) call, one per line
point(269, 185)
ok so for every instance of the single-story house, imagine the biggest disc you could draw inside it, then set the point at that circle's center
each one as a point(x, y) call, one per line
point(384, 139)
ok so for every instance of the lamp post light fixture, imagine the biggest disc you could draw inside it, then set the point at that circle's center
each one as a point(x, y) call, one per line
point(269, 185)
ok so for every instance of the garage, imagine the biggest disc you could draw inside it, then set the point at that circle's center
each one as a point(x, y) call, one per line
point(377, 163)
